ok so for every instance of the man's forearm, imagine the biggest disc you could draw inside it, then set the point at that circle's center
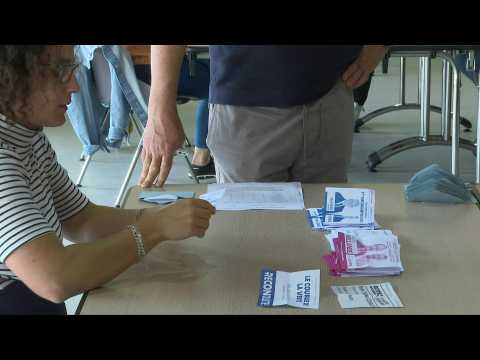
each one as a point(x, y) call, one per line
point(166, 63)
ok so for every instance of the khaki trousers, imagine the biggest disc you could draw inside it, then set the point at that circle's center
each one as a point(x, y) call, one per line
point(311, 143)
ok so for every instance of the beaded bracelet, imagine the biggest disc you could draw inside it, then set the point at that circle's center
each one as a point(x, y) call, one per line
point(139, 241)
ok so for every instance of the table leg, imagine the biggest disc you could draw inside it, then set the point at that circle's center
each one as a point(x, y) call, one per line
point(478, 134)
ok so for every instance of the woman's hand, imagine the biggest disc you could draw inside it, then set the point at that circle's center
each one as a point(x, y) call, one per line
point(179, 221)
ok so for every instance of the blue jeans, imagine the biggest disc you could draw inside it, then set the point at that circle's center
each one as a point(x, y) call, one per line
point(86, 112)
point(18, 299)
point(196, 86)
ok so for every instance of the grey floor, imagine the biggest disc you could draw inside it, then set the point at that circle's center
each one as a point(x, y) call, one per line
point(105, 174)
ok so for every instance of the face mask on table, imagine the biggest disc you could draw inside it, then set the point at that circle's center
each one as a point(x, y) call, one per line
point(434, 184)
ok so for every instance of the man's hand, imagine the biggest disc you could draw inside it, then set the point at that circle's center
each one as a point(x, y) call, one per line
point(357, 73)
point(161, 140)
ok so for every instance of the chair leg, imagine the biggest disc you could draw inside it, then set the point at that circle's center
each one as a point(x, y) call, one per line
point(89, 157)
point(137, 124)
point(84, 169)
point(189, 164)
point(120, 197)
point(139, 128)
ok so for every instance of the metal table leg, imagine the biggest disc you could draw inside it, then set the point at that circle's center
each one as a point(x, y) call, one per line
point(403, 105)
point(377, 157)
point(425, 139)
point(426, 71)
point(478, 133)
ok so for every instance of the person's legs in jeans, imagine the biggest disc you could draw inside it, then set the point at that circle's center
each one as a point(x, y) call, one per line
point(18, 299)
point(201, 155)
point(197, 86)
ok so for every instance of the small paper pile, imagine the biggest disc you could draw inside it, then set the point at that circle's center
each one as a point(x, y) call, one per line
point(434, 184)
point(358, 252)
point(344, 208)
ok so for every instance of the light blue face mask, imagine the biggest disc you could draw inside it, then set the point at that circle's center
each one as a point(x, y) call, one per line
point(434, 171)
point(434, 184)
point(163, 197)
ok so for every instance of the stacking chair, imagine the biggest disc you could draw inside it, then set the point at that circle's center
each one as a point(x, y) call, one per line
point(101, 74)
point(136, 93)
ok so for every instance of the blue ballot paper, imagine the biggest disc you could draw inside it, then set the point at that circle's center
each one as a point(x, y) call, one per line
point(299, 289)
point(348, 206)
point(434, 184)
point(164, 197)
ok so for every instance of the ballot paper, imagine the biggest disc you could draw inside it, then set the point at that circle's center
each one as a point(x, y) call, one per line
point(364, 253)
point(344, 207)
point(359, 233)
point(163, 197)
point(367, 296)
point(298, 289)
point(315, 215)
point(255, 196)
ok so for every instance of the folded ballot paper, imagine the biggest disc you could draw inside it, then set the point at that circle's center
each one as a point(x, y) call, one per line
point(255, 196)
point(359, 252)
point(434, 184)
point(344, 208)
point(163, 197)
point(367, 296)
point(299, 289)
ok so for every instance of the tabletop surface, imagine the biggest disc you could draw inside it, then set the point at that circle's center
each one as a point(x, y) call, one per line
point(220, 274)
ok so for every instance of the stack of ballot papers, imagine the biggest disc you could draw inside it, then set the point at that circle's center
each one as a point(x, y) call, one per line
point(434, 184)
point(344, 208)
point(163, 197)
point(359, 252)
point(255, 196)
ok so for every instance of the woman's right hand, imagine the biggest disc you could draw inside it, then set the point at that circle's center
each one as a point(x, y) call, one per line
point(179, 221)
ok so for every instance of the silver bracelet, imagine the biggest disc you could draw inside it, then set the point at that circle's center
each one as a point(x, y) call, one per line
point(138, 240)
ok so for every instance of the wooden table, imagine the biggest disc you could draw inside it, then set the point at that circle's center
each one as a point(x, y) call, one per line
point(141, 53)
point(220, 274)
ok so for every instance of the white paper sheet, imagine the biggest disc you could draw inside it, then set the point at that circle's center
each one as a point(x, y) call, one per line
point(255, 196)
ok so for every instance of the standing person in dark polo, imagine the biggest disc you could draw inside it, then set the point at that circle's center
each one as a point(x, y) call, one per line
point(277, 113)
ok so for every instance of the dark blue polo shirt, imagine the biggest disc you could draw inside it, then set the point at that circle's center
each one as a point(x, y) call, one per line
point(276, 75)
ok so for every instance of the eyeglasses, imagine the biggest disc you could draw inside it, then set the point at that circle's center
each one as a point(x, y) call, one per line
point(64, 72)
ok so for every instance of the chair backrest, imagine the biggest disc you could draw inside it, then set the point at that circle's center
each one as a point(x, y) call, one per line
point(101, 75)
point(469, 64)
point(136, 92)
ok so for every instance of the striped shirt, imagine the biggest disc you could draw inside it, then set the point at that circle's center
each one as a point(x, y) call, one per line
point(36, 194)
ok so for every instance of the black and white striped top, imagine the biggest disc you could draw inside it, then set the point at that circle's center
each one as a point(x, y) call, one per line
point(36, 194)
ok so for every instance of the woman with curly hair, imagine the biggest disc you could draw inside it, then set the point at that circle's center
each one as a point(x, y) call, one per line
point(40, 205)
